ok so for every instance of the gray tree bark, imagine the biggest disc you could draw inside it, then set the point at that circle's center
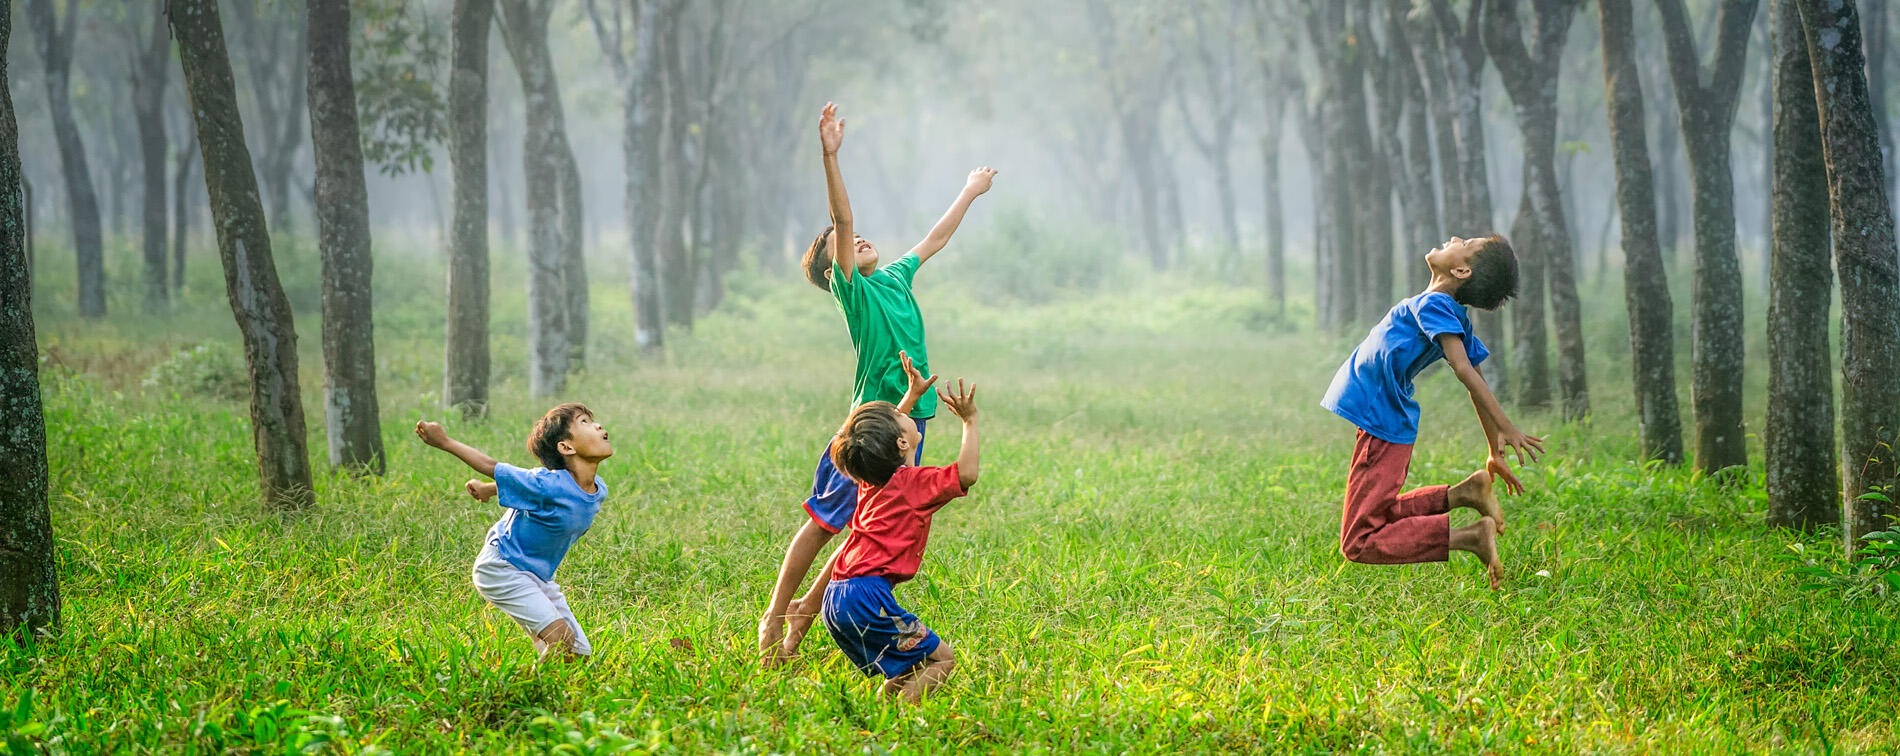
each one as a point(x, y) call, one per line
point(1798, 440)
point(1864, 258)
point(55, 42)
point(150, 70)
point(1531, 77)
point(1342, 112)
point(678, 271)
point(1463, 59)
point(1706, 101)
point(1645, 279)
point(1414, 150)
point(250, 275)
point(182, 205)
point(343, 241)
point(525, 30)
point(465, 377)
point(29, 577)
point(643, 103)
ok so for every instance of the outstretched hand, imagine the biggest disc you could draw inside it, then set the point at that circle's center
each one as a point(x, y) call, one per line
point(918, 383)
point(962, 401)
point(1527, 447)
point(979, 181)
point(830, 129)
point(480, 490)
point(432, 433)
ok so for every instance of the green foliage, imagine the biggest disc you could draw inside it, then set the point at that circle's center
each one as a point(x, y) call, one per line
point(402, 110)
point(1871, 572)
point(213, 370)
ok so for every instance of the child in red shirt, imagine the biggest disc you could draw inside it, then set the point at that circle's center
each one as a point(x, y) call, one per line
point(896, 499)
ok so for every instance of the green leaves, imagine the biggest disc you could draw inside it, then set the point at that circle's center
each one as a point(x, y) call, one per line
point(402, 110)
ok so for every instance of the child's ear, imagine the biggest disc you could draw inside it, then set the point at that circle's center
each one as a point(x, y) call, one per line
point(565, 447)
point(903, 445)
point(1461, 272)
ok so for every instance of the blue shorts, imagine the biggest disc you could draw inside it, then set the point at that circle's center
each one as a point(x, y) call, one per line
point(877, 635)
point(834, 496)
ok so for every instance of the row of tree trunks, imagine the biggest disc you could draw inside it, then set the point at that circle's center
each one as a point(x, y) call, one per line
point(55, 41)
point(1542, 232)
point(1864, 259)
point(257, 298)
point(465, 376)
point(343, 242)
point(1798, 441)
point(149, 75)
point(1462, 73)
point(29, 580)
point(1645, 280)
point(1706, 100)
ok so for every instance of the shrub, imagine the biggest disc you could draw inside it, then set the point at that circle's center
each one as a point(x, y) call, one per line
point(213, 369)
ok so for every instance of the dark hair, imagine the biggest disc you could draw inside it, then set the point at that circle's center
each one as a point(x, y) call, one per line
point(817, 260)
point(866, 447)
point(1493, 275)
point(553, 428)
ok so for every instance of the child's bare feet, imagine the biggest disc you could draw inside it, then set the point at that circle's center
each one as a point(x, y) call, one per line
point(1481, 539)
point(1477, 492)
point(798, 621)
point(771, 631)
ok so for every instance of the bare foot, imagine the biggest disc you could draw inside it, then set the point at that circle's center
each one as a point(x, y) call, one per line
point(1477, 492)
point(798, 622)
point(1486, 549)
point(771, 631)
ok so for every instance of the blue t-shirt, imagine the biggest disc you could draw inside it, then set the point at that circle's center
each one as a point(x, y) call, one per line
point(1374, 388)
point(547, 513)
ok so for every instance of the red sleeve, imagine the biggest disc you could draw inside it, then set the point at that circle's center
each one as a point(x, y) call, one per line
point(936, 486)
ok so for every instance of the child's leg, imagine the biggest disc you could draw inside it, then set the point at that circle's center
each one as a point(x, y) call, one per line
point(1481, 539)
point(811, 539)
point(803, 612)
point(1381, 526)
point(923, 679)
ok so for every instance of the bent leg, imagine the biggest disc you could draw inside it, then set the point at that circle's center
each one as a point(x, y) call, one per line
point(810, 540)
point(1381, 526)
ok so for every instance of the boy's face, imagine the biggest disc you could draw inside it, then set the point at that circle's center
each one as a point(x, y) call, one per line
point(1453, 258)
point(863, 254)
point(587, 439)
point(908, 439)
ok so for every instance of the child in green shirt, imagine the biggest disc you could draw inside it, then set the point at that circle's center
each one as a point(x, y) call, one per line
point(887, 331)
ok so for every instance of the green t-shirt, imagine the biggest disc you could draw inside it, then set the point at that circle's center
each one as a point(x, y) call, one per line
point(883, 319)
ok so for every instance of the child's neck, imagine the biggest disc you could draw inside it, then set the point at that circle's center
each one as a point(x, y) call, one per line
point(1444, 284)
point(583, 471)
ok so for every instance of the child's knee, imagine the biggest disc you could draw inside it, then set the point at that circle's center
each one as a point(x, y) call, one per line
point(944, 653)
point(1353, 551)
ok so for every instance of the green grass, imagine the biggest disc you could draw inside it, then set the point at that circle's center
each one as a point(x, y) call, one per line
point(1149, 563)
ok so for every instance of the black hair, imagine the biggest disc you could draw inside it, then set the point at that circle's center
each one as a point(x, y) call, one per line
point(865, 449)
point(553, 428)
point(817, 260)
point(1493, 275)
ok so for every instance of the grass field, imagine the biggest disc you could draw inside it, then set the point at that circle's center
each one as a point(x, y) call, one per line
point(1149, 563)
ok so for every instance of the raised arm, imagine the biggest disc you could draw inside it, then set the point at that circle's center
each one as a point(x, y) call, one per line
point(843, 236)
point(963, 403)
point(1499, 433)
point(975, 186)
point(918, 384)
point(433, 435)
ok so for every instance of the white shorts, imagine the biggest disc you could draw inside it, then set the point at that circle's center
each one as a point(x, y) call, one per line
point(532, 602)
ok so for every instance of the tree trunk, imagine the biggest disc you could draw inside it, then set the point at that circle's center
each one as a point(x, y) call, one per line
point(1706, 103)
point(643, 112)
point(1874, 29)
point(1668, 173)
point(29, 577)
point(1645, 279)
point(1531, 77)
point(1464, 74)
point(1798, 441)
point(257, 299)
point(56, 47)
point(465, 377)
point(1275, 212)
point(526, 33)
point(181, 206)
point(1864, 258)
point(343, 241)
point(148, 95)
point(1413, 150)
point(573, 250)
point(677, 271)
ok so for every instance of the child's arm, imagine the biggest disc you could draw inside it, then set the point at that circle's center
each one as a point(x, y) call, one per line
point(844, 237)
point(963, 403)
point(481, 491)
point(978, 183)
point(1499, 433)
point(433, 435)
point(918, 385)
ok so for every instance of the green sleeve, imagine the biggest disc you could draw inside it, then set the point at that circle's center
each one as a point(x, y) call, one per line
point(904, 267)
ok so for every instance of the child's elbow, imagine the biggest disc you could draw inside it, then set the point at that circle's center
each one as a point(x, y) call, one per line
point(966, 480)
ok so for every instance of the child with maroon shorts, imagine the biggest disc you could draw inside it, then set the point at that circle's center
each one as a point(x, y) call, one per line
point(1373, 390)
point(896, 500)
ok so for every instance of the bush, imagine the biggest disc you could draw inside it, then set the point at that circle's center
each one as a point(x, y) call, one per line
point(1023, 259)
point(213, 369)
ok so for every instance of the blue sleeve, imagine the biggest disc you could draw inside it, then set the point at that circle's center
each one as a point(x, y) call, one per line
point(517, 488)
point(1474, 349)
point(1439, 314)
point(904, 268)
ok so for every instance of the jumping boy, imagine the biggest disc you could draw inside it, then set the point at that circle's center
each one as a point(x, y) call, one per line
point(896, 500)
point(1373, 390)
point(883, 319)
point(545, 510)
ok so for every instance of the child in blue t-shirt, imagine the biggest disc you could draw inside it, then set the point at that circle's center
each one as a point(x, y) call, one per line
point(1373, 389)
point(545, 510)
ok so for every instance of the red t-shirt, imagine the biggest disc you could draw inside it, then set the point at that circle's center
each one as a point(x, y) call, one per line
point(893, 521)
